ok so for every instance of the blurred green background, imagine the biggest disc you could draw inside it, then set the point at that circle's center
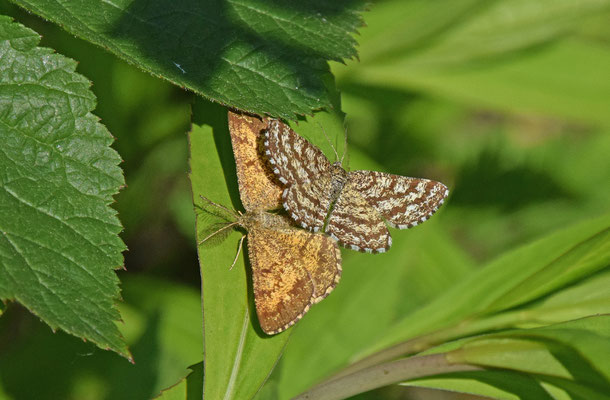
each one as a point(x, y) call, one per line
point(508, 104)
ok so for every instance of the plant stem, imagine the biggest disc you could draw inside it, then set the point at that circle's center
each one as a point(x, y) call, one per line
point(383, 375)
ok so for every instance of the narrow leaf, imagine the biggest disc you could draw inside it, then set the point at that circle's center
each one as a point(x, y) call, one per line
point(574, 355)
point(59, 241)
point(484, 292)
point(238, 355)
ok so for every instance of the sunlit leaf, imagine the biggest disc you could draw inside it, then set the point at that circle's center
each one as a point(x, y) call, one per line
point(59, 244)
point(238, 355)
point(259, 56)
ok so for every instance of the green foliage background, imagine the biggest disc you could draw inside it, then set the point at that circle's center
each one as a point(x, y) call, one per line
point(504, 101)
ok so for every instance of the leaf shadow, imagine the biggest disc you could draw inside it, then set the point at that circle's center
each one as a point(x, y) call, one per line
point(201, 40)
point(63, 363)
point(487, 182)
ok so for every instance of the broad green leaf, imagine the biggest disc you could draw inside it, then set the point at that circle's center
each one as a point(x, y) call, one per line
point(238, 356)
point(188, 388)
point(59, 244)
point(264, 57)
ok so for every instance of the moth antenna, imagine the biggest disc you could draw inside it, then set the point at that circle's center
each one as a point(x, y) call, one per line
point(345, 147)
point(218, 205)
point(239, 246)
point(329, 142)
point(217, 232)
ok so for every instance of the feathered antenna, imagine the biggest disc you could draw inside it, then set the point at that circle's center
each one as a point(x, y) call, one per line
point(345, 148)
point(334, 147)
point(329, 142)
point(237, 215)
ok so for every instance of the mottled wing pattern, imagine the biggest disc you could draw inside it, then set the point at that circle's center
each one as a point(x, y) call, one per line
point(404, 202)
point(259, 188)
point(321, 257)
point(291, 270)
point(308, 203)
point(355, 224)
point(294, 159)
point(305, 171)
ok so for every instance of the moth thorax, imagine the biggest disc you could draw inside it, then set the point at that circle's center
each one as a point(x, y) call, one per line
point(262, 219)
point(339, 178)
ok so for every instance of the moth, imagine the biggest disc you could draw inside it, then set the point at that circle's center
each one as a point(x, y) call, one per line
point(352, 207)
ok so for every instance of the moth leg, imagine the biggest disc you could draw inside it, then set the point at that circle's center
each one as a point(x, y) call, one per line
point(239, 246)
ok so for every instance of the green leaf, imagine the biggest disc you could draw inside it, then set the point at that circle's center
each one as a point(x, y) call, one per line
point(188, 388)
point(264, 57)
point(396, 27)
point(501, 384)
point(498, 286)
point(455, 32)
point(569, 358)
point(238, 356)
point(59, 244)
point(558, 350)
point(476, 304)
point(572, 357)
point(564, 78)
point(589, 297)
point(163, 328)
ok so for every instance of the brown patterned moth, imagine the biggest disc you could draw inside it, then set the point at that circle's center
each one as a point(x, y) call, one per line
point(352, 207)
point(292, 269)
